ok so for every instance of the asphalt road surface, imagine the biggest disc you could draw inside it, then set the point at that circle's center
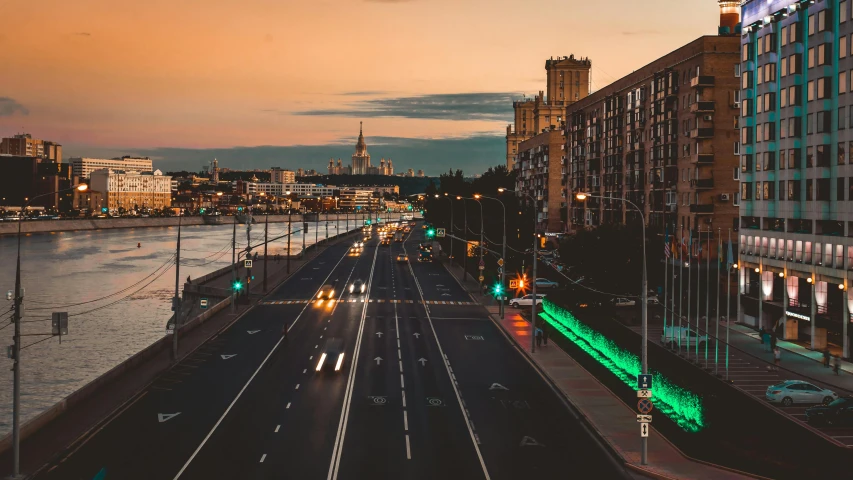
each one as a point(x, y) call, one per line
point(425, 390)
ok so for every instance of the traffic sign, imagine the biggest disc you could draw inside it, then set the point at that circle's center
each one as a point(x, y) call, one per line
point(513, 284)
point(644, 418)
point(247, 263)
point(644, 394)
point(644, 382)
point(644, 405)
point(203, 303)
point(644, 429)
point(482, 264)
point(439, 232)
point(482, 267)
point(500, 262)
point(482, 278)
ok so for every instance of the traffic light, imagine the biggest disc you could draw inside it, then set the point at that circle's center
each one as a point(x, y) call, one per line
point(430, 233)
point(200, 210)
point(239, 209)
point(104, 209)
point(498, 289)
point(238, 285)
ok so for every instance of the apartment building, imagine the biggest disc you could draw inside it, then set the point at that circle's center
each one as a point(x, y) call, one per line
point(83, 167)
point(130, 190)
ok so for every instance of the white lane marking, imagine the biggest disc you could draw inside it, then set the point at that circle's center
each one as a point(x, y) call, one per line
point(297, 386)
point(240, 393)
point(404, 399)
point(311, 357)
point(402, 383)
point(304, 370)
point(401, 365)
point(288, 405)
point(315, 346)
point(405, 421)
point(263, 457)
point(277, 427)
point(334, 465)
point(408, 449)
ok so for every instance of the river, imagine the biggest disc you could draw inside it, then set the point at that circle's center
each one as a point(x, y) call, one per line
point(118, 297)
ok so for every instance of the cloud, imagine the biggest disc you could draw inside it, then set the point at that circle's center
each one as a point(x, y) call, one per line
point(9, 106)
point(388, 1)
point(641, 32)
point(82, 34)
point(473, 154)
point(364, 93)
point(445, 106)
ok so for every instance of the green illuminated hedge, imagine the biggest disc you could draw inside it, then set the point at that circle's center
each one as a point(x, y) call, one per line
point(682, 406)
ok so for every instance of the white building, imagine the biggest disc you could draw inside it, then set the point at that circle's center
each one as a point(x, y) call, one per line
point(83, 167)
point(131, 189)
point(282, 176)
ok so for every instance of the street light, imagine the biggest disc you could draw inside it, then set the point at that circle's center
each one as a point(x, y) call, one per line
point(643, 297)
point(503, 250)
point(535, 254)
point(450, 199)
point(16, 347)
point(477, 199)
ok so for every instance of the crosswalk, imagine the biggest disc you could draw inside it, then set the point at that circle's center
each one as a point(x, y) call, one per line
point(363, 300)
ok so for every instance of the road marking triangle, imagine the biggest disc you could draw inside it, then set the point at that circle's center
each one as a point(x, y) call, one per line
point(165, 417)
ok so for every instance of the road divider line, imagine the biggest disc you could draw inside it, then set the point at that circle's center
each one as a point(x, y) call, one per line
point(263, 457)
point(408, 449)
point(288, 405)
point(405, 421)
point(277, 427)
point(297, 386)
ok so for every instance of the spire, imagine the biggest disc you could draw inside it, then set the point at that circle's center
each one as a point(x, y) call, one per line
point(360, 147)
point(360, 125)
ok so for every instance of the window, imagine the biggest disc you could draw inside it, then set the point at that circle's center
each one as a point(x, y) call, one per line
point(746, 190)
point(811, 58)
point(823, 87)
point(842, 118)
point(769, 160)
point(824, 20)
point(842, 47)
point(842, 157)
point(770, 72)
point(769, 131)
point(747, 52)
point(824, 121)
point(746, 135)
point(784, 68)
point(794, 95)
point(759, 133)
point(746, 163)
point(746, 107)
point(746, 80)
point(770, 102)
point(794, 62)
point(842, 82)
point(822, 155)
point(824, 54)
point(794, 32)
point(809, 124)
point(793, 190)
point(822, 193)
point(783, 99)
point(758, 190)
point(811, 25)
point(809, 190)
point(839, 191)
point(842, 11)
point(794, 127)
point(769, 190)
point(810, 89)
point(784, 36)
point(794, 158)
point(809, 157)
point(783, 159)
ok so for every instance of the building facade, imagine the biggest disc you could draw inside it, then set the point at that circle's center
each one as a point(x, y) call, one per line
point(83, 167)
point(360, 159)
point(664, 138)
point(567, 82)
point(796, 195)
point(130, 190)
point(310, 189)
point(540, 163)
point(354, 199)
point(282, 176)
point(25, 145)
point(24, 177)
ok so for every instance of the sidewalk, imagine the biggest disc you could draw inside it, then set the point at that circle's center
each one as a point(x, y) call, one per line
point(614, 421)
point(82, 413)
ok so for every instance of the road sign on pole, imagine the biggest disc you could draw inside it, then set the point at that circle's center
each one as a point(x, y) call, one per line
point(203, 303)
point(513, 284)
point(439, 232)
point(482, 264)
point(644, 382)
point(644, 418)
point(645, 406)
point(482, 278)
point(644, 429)
point(482, 267)
point(247, 263)
point(644, 394)
point(500, 262)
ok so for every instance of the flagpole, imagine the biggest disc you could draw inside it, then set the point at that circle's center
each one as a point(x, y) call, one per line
point(698, 291)
point(729, 260)
point(717, 332)
point(665, 266)
point(689, 284)
point(707, 292)
point(680, 284)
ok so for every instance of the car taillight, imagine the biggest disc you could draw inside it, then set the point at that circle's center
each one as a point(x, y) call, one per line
point(320, 363)
point(775, 392)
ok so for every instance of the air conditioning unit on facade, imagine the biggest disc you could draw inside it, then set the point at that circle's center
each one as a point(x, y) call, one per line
point(736, 105)
point(707, 118)
point(724, 197)
point(708, 221)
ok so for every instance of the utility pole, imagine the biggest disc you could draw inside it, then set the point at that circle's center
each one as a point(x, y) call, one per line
point(266, 230)
point(533, 306)
point(16, 365)
point(176, 302)
point(234, 266)
point(289, 234)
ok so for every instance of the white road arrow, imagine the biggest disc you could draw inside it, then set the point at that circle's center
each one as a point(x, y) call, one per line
point(498, 386)
point(379, 334)
point(529, 442)
point(165, 417)
point(252, 332)
point(417, 335)
point(378, 359)
point(226, 357)
point(423, 361)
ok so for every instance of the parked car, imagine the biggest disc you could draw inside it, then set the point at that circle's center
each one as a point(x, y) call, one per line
point(688, 337)
point(545, 283)
point(623, 302)
point(526, 300)
point(790, 392)
point(837, 413)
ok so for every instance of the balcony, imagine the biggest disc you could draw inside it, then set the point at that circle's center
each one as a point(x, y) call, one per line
point(704, 158)
point(702, 208)
point(702, 183)
point(702, 81)
point(703, 107)
point(702, 133)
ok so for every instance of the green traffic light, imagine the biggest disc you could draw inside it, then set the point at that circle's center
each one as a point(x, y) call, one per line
point(238, 286)
point(498, 289)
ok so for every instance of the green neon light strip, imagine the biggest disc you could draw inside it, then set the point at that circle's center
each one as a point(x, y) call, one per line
point(682, 406)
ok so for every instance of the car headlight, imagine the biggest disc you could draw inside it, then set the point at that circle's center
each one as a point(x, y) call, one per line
point(340, 361)
point(320, 363)
point(350, 288)
point(362, 289)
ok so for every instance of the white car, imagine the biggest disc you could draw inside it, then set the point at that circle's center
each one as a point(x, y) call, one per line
point(526, 300)
point(688, 337)
point(545, 283)
point(790, 392)
point(623, 302)
point(357, 287)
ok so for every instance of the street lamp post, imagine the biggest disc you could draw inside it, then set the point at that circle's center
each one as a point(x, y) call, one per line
point(465, 232)
point(643, 298)
point(535, 254)
point(477, 199)
point(176, 302)
point(289, 230)
point(16, 347)
point(503, 252)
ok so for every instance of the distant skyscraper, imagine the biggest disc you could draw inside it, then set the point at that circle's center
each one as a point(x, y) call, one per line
point(360, 159)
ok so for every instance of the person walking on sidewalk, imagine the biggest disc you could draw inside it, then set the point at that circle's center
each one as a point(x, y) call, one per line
point(538, 337)
point(545, 336)
point(836, 364)
point(777, 358)
point(826, 356)
point(772, 341)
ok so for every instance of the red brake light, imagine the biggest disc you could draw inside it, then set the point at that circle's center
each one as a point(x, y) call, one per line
point(775, 392)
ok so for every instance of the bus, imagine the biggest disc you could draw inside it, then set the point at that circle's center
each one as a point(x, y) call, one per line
point(425, 252)
point(408, 216)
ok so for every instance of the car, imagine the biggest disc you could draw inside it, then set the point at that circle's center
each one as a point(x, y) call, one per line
point(837, 413)
point(332, 355)
point(526, 300)
point(670, 336)
point(623, 302)
point(358, 286)
point(545, 283)
point(413, 223)
point(354, 250)
point(402, 258)
point(790, 392)
point(385, 242)
point(359, 244)
point(407, 230)
point(326, 291)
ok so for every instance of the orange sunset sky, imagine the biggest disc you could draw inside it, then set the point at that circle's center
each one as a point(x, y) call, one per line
point(98, 75)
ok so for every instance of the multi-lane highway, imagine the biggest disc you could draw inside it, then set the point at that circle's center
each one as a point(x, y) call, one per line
point(429, 388)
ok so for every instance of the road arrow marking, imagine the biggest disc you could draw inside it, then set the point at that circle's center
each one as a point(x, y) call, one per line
point(423, 361)
point(378, 359)
point(417, 335)
point(165, 417)
point(379, 334)
point(530, 442)
point(252, 332)
point(226, 357)
point(498, 386)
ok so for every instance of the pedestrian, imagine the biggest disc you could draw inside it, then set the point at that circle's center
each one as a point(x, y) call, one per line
point(189, 280)
point(538, 337)
point(826, 356)
point(772, 340)
point(545, 336)
point(777, 357)
point(836, 364)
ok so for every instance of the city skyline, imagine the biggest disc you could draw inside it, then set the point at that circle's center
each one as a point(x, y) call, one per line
point(188, 90)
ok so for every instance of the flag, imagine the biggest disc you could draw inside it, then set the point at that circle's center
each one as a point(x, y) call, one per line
point(730, 257)
point(674, 248)
point(666, 251)
point(720, 253)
